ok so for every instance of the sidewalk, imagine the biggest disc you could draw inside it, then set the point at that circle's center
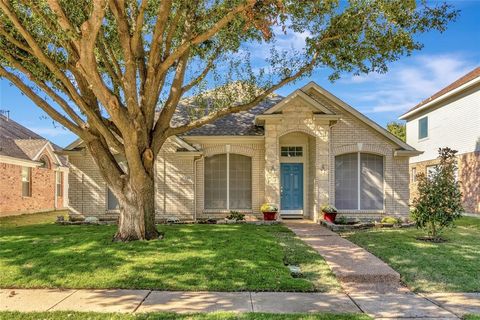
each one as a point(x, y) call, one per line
point(380, 306)
point(172, 301)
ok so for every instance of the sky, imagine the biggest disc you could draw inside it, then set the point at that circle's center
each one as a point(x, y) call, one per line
point(382, 97)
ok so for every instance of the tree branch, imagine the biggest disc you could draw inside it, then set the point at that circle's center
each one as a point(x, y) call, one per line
point(44, 105)
point(222, 112)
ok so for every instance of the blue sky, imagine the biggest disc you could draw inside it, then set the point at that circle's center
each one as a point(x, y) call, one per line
point(382, 97)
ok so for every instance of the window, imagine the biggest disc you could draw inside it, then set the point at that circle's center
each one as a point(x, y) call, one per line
point(59, 183)
point(112, 202)
point(423, 128)
point(291, 151)
point(228, 182)
point(431, 171)
point(45, 162)
point(359, 181)
point(26, 182)
point(414, 175)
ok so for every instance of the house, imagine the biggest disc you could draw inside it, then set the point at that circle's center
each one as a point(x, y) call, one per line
point(301, 152)
point(32, 177)
point(449, 118)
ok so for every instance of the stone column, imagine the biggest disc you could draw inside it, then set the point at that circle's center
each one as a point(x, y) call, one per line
point(272, 164)
point(322, 168)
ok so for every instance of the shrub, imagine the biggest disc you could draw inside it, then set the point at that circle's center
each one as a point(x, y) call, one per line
point(439, 200)
point(391, 220)
point(235, 215)
point(342, 220)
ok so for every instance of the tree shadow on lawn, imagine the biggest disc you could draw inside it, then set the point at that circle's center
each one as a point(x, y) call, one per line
point(191, 257)
point(452, 266)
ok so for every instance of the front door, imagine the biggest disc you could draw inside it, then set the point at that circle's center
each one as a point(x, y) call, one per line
point(291, 188)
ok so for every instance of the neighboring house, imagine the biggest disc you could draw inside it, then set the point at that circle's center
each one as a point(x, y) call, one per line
point(449, 118)
point(32, 177)
point(301, 152)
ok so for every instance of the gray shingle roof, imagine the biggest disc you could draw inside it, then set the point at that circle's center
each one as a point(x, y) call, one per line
point(19, 142)
point(237, 124)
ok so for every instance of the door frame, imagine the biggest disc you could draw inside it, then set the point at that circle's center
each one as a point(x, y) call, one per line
point(303, 160)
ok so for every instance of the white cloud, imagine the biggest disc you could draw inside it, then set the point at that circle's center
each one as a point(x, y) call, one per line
point(408, 83)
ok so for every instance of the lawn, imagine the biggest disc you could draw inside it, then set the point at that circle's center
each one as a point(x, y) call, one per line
point(453, 266)
point(35, 253)
point(65, 315)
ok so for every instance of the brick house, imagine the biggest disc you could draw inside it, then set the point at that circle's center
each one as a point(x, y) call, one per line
point(300, 152)
point(449, 118)
point(33, 178)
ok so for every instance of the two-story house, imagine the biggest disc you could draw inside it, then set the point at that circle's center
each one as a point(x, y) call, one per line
point(449, 118)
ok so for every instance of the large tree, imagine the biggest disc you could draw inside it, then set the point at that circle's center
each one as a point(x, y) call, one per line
point(114, 71)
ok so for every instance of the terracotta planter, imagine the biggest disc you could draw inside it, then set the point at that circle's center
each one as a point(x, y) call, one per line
point(330, 217)
point(269, 216)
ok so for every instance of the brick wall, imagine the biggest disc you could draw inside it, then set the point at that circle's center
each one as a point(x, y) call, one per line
point(468, 175)
point(42, 186)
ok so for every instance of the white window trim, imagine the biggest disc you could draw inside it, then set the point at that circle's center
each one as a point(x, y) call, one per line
point(227, 209)
point(428, 126)
point(358, 209)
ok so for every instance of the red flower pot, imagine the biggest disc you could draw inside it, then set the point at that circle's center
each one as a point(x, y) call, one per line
point(269, 216)
point(330, 217)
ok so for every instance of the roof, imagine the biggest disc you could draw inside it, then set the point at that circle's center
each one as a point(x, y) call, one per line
point(236, 124)
point(19, 142)
point(472, 75)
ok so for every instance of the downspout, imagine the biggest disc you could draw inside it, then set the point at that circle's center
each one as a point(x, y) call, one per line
point(195, 187)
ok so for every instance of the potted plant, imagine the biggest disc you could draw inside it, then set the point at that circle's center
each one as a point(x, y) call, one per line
point(269, 211)
point(329, 213)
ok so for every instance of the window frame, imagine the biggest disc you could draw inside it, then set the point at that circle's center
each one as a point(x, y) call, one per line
point(227, 189)
point(420, 138)
point(359, 181)
point(414, 174)
point(59, 186)
point(117, 209)
point(292, 151)
point(29, 176)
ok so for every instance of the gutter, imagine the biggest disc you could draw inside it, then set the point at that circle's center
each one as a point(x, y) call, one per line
point(406, 153)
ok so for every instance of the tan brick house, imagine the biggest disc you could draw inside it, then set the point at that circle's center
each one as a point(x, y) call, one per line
point(300, 152)
point(449, 118)
point(33, 178)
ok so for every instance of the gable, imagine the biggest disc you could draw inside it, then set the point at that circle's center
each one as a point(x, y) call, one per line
point(314, 105)
point(321, 94)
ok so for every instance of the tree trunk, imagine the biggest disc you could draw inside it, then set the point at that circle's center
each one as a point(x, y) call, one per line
point(137, 212)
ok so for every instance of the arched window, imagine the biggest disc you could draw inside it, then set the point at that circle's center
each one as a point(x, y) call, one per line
point(45, 162)
point(359, 181)
point(228, 182)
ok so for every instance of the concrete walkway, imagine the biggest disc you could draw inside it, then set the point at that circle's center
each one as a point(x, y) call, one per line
point(373, 285)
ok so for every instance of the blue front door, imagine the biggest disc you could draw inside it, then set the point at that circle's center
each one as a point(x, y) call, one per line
point(291, 186)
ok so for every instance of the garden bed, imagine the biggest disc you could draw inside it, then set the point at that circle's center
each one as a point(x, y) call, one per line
point(360, 225)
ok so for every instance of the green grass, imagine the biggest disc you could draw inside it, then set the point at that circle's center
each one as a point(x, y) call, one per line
point(452, 266)
point(35, 253)
point(65, 315)
point(472, 317)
